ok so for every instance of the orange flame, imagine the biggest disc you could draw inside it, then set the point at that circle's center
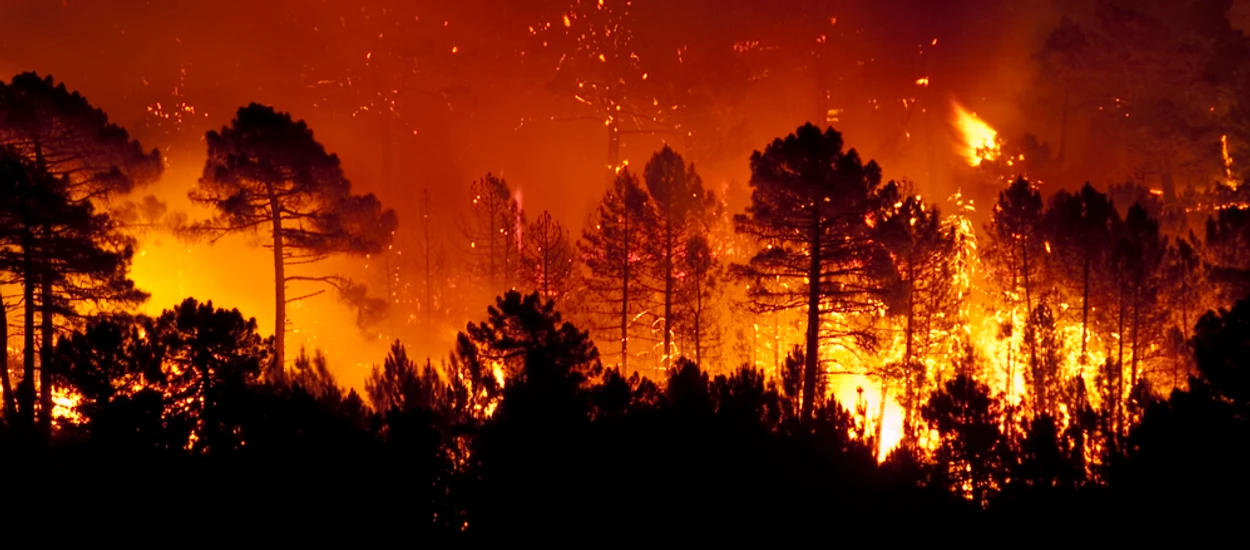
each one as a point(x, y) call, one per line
point(980, 141)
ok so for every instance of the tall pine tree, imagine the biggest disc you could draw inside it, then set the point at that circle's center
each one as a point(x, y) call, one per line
point(266, 172)
point(812, 211)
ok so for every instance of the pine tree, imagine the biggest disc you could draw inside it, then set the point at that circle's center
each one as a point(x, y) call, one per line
point(1078, 228)
point(62, 253)
point(492, 231)
point(548, 259)
point(267, 172)
point(811, 212)
point(612, 249)
point(927, 300)
point(678, 202)
point(1014, 256)
point(61, 133)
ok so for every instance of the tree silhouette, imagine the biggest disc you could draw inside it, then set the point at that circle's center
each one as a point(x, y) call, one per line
point(811, 209)
point(61, 132)
point(928, 298)
point(678, 201)
point(267, 171)
point(698, 294)
point(548, 258)
point(1137, 259)
point(400, 385)
point(492, 234)
point(1042, 333)
point(1014, 255)
point(1079, 229)
point(207, 357)
point(62, 253)
point(971, 449)
point(530, 345)
point(612, 249)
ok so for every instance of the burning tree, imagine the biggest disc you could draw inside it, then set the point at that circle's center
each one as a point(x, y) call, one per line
point(69, 252)
point(612, 249)
point(76, 155)
point(700, 289)
point(1014, 256)
point(548, 258)
point(492, 234)
point(267, 170)
point(1079, 228)
point(928, 298)
point(812, 211)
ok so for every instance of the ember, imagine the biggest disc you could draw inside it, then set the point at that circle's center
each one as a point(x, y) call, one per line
point(382, 249)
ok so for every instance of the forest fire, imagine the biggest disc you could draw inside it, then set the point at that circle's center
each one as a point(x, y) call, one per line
point(980, 141)
point(823, 288)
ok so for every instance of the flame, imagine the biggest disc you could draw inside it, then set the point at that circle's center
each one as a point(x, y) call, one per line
point(1228, 162)
point(980, 141)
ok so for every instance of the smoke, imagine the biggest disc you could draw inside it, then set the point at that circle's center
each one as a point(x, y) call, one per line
point(472, 103)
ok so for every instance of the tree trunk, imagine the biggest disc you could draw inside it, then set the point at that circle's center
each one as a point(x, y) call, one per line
point(1118, 390)
point(909, 361)
point(6, 384)
point(1135, 349)
point(698, 312)
point(1028, 300)
point(546, 269)
point(813, 319)
point(668, 292)
point(279, 286)
point(1085, 310)
point(625, 293)
point(885, 392)
point(26, 390)
point(45, 356)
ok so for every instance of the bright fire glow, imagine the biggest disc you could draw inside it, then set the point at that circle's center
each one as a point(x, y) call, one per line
point(980, 141)
point(1228, 162)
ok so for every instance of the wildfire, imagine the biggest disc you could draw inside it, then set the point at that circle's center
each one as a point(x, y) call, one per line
point(980, 141)
point(1228, 162)
point(65, 403)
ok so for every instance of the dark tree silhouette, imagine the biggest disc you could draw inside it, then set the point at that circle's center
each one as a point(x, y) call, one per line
point(1137, 261)
point(1015, 250)
point(531, 347)
point(928, 297)
point(970, 452)
point(208, 356)
point(400, 385)
point(811, 209)
point(62, 253)
point(61, 133)
point(266, 172)
point(1079, 228)
point(311, 374)
point(698, 293)
point(548, 258)
point(612, 249)
point(492, 233)
point(678, 201)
